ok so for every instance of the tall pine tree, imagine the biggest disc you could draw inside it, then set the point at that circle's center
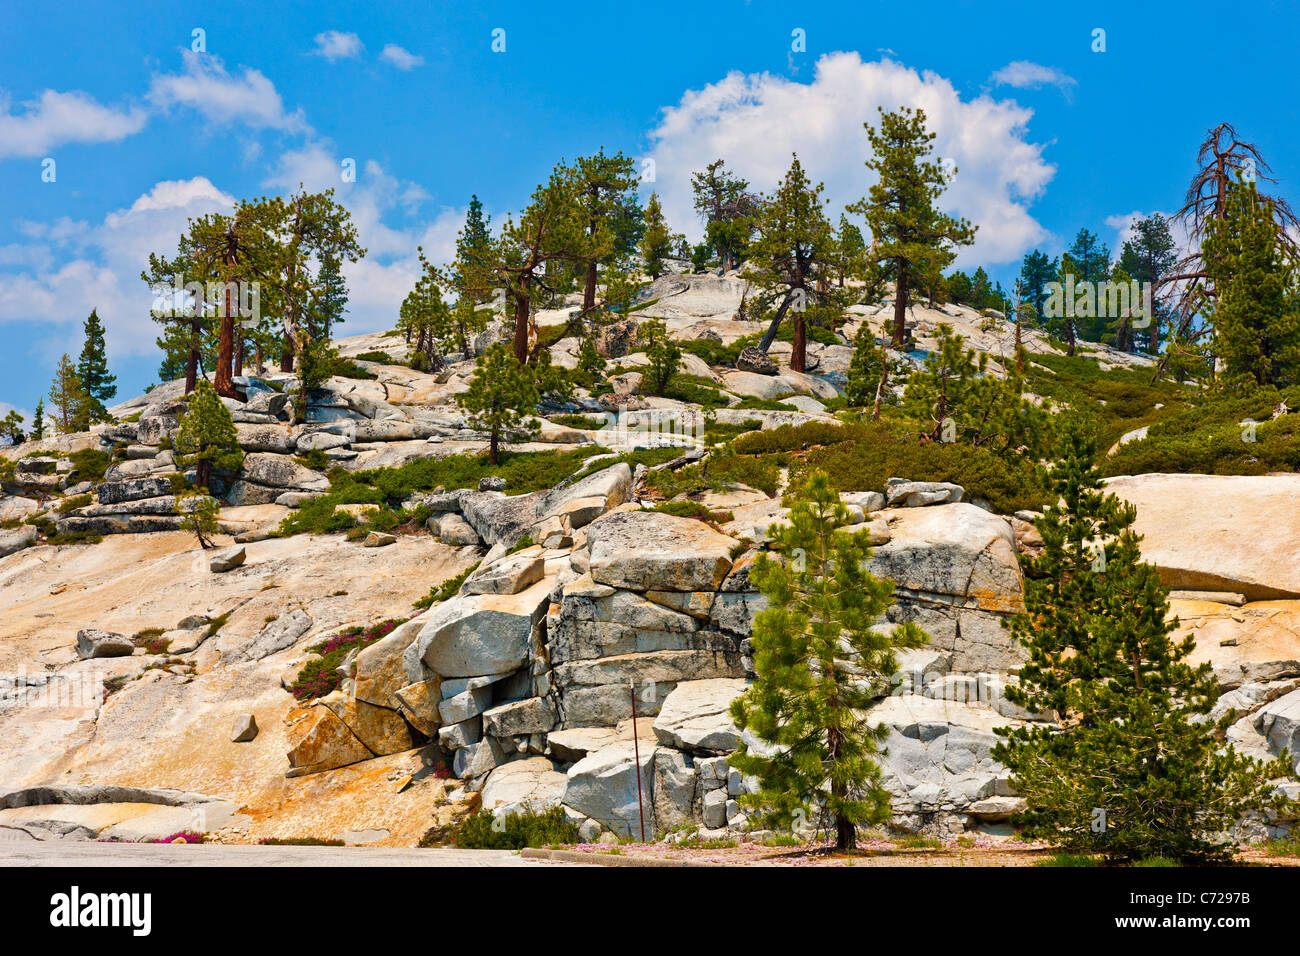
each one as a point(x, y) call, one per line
point(1256, 309)
point(820, 665)
point(206, 438)
point(1128, 766)
point(912, 241)
point(794, 257)
point(69, 398)
point(92, 369)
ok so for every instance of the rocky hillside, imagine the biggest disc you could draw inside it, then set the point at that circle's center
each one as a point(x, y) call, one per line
point(481, 636)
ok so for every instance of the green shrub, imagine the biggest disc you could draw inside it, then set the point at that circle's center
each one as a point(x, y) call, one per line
point(387, 488)
point(89, 464)
point(692, 509)
point(72, 504)
point(761, 472)
point(1207, 437)
point(792, 438)
point(646, 456)
point(695, 390)
point(376, 356)
point(447, 589)
point(764, 404)
point(315, 459)
point(1068, 859)
point(151, 640)
point(482, 831)
point(586, 422)
point(336, 365)
point(713, 352)
point(883, 450)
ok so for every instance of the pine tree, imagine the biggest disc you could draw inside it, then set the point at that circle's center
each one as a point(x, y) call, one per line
point(664, 353)
point(820, 665)
point(1256, 309)
point(794, 256)
point(330, 303)
point(865, 368)
point(1036, 270)
point(956, 399)
point(198, 514)
point(1131, 768)
point(38, 420)
point(727, 207)
point(92, 369)
point(501, 399)
point(550, 233)
point(1088, 260)
point(604, 188)
point(657, 240)
point(1148, 257)
point(69, 397)
point(851, 251)
point(912, 241)
point(11, 428)
point(206, 438)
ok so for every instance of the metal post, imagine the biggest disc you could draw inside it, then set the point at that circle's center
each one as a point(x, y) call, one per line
point(636, 748)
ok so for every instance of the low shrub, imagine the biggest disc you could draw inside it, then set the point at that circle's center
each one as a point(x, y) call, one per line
point(89, 464)
point(879, 451)
point(692, 509)
point(586, 422)
point(483, 831)
point(320, 677)
point(73, 503)
point(151, 640)
point(792, 438)
point(447, 589)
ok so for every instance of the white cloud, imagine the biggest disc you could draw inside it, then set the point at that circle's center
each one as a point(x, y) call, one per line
point(55, 118)
point(1027, 75)
point(335, 45)
point(205, 85)
point(104, 271)
point(754, 122)
point(399, 57)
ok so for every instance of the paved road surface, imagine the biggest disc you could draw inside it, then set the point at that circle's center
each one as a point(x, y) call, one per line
point(90, 854)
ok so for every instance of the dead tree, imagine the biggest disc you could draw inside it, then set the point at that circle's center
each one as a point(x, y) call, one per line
point(1223, 158)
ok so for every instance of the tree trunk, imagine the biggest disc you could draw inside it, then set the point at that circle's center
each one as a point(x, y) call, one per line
point(238, 367)
point(192, 359)
point(589, 290)
point(770, 335)
point(225, 351)
point(492, 447)
point(900, 306)
point(286, 354)
point(880, 387)
point(521, 320)
point(1020, 355)
point(799, 353)
point(846, 836)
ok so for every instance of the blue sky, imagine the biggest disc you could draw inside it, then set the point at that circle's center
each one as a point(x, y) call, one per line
point(1048, 135)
